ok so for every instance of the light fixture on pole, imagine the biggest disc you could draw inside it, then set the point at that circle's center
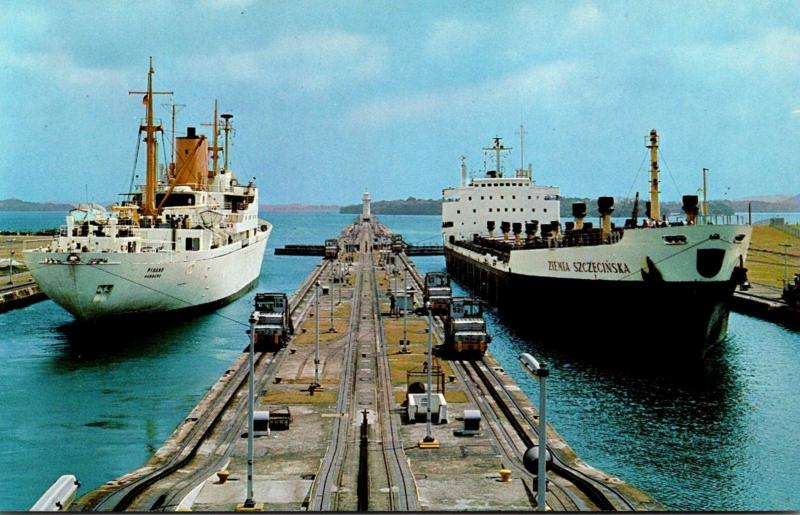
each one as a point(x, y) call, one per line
point(404, 341)
point(249, 504)
point(540, 371)
point(316, 385)
point(785, 263)
point(331, 329)
point(11, 263)
point(429, 442)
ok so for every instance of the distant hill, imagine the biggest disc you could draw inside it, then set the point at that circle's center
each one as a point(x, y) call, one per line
point(13, 204)
point(409, 206)
point(297, 207)
point(787, 204)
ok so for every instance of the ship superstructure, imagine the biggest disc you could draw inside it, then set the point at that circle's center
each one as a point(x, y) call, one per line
point(504, 240)
point(191, 238)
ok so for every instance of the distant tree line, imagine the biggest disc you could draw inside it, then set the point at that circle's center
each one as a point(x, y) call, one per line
point(409, 206)
point(13, 204)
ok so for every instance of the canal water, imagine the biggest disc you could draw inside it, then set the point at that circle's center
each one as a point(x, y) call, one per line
point(97, 401)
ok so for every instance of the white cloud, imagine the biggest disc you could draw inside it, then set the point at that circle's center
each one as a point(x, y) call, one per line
point(451, 36)
point(774, 52)
point(545, 85)
point(310, 61)
point(585, 18)
point(60, 67)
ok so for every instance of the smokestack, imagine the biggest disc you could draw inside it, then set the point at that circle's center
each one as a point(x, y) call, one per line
point(606, 206)
point(579, 212)
point(463, 172)
point(530, 229)
point(516, 227)
point(490, 228)
point(690, 208)
point(504, 228)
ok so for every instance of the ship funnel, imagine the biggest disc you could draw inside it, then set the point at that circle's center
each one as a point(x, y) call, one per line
point(504, 228)
point(579, 212)
point(547, 231)
point(516, 228)
point(690, 208)
point(490, 228)
point(191, 166)
point(530, 229)
point(606, 206)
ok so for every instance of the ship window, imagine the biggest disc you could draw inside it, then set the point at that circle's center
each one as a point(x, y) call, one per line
point(470, 198)
point(481, 197)
point(513, 197)
point(474, 210)
point(534, 209)
point(192, 243)
point(513, 209)
point(458, 211)
point(501, 197)
point(545, 210)
point(490, 210)
point(490, 197)
point(529, 197)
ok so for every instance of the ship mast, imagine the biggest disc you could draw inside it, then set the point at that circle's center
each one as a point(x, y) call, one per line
point(214, 148)
point(655, 208)
point(227, 128)
point(498, 147)
point(148, 207)
point(705, 195)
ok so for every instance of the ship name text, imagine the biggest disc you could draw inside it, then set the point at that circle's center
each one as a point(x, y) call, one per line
point(591, 267)
point(154, 272)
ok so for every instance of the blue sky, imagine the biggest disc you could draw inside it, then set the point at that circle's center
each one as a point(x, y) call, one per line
point(331, 98)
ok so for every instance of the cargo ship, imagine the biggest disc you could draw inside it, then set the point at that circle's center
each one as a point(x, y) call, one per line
point(188, 237)
point(648, 282)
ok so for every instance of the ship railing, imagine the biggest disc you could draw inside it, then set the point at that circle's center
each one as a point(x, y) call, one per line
point(502, 248)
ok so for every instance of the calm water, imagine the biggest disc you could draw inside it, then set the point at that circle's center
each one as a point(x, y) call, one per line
point(97, 402)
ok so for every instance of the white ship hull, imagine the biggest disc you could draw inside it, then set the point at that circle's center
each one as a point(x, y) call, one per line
point(147, 282)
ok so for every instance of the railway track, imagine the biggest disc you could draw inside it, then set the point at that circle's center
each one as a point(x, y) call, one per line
point(402, 494)
point(143, 491)
point(323, 497)
point(369, 365)
point(570, 487)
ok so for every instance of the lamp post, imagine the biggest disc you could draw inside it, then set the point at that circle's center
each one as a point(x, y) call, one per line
point(11, 263)
point(540, 371)
point(405, 312)
point(249, 503)
point(429, 442)
point(332, 329)
point(316, 339)
point(785, 263)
